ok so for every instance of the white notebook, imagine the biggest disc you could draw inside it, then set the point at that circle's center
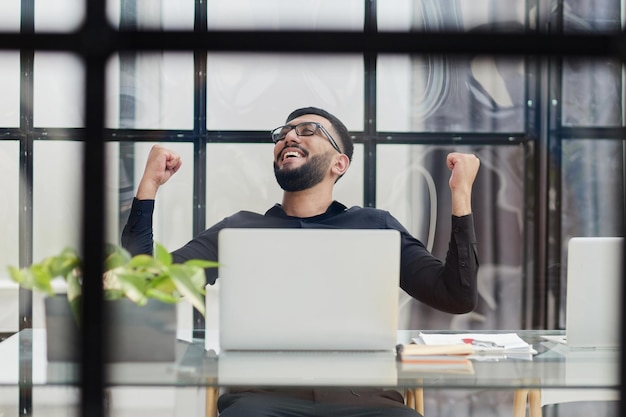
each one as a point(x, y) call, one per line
point(308, 289)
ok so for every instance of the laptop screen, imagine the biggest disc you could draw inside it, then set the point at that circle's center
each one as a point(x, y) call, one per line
point(593, 306)
point(308, 289)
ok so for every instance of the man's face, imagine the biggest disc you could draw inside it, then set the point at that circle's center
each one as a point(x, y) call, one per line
point(300, 162)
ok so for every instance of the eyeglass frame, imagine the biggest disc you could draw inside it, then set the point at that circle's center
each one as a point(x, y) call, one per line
point(295, 128)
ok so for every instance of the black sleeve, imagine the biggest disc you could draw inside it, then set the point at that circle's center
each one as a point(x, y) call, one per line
point(137, 237)
point(449, 286)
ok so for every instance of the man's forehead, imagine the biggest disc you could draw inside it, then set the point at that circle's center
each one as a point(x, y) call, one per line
point(309, 118)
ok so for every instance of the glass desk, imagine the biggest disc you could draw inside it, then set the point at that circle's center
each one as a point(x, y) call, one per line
point(23, 364)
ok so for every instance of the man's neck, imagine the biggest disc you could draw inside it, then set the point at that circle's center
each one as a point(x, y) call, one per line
point(307, 203)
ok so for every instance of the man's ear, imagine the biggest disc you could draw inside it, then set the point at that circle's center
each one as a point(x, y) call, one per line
point(342, 163)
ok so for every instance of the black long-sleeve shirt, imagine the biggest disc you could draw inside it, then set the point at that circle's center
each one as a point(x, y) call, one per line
point(449, 286)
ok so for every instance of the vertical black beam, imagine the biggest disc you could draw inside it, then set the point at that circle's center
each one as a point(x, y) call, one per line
point(532, 126)
point(369, 108)
point(25, 302)
point(97, 36)
point(200, 143)
point(622, 401)
point(127, 102)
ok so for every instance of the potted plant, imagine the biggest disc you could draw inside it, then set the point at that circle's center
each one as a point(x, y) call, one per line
point(140, 293)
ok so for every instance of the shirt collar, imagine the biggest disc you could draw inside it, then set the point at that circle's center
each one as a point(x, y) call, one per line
point(332, 210)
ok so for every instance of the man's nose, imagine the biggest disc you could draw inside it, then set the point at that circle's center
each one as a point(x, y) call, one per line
point(291, 136)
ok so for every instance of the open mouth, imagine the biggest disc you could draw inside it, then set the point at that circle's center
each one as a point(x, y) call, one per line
point(292, 155)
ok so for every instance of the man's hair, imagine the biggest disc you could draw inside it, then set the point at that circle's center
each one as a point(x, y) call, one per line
point(344, 137)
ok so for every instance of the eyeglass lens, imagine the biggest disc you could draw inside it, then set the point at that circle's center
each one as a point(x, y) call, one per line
point(302, 129)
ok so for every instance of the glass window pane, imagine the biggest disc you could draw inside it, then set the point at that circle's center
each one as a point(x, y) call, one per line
point(285, 14)
point(59, 88)
point(421, 93)
point(9, 205)
point(10, 87)
point(57, 195)
point(592, 188)
point(151, 14)
point(59, 15)
point(448, 94)
point(258, 91)
point(150, 91)
point(450, 15)
point(250, 184)
point(592, 90)
point(412, 184)
point(173, 213)
point(592, 93)
point(10, 15)
point(9, 233)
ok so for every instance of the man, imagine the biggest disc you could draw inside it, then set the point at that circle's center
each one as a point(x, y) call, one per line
point(312, 151)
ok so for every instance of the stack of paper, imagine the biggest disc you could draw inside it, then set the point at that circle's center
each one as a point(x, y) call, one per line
point(506, 344)
point(451, 358)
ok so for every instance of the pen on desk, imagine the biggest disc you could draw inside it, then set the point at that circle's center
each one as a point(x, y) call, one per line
point(482, 343)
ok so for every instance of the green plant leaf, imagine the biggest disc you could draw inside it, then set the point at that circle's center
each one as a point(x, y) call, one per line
point(20, 276)
point(162, 254)
point(161, 283)
point(41, 278)
point(115, 260)
point(62, 264)
point(163, 296)
point(133, 287)
point(182, 277)
point(75, 307)
point(144, 261)
point(201, 263)
point(111, 295)
point(74, 289)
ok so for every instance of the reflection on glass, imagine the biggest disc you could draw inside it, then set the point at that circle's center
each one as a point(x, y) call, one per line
point(59, 15)
point(151, 14)
point(285, 15)
point(240, 177)
point(150, 91)
point(412, 184)
point(10, 87)
point(258, 91)
point(592, 89)
point(422, 93)
point(448, 15)
point(59, 88)
point(444, 94)
point(592, 188)
point(592, 93)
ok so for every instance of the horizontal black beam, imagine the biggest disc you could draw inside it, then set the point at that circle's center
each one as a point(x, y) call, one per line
point(107, 41)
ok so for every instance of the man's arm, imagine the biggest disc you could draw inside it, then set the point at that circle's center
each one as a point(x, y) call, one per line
point(450, 286)
point(464, 169)
point(137, 235)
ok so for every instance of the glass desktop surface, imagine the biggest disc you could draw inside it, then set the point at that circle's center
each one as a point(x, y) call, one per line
point(554, 366)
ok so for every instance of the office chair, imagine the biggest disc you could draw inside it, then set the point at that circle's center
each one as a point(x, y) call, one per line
point(413, 398)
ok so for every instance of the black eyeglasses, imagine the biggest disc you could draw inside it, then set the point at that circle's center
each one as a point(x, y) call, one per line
point(302, 129)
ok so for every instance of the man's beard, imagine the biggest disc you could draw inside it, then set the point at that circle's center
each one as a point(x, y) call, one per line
point(306, 176)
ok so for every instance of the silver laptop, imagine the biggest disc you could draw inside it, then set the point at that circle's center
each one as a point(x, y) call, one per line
point(308, 289)
point(593, 302)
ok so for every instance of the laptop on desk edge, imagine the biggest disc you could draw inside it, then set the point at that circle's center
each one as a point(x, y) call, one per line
point(594, 282)
point(308, 289)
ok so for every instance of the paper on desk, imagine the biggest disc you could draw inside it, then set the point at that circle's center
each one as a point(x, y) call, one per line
point(506, 342)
